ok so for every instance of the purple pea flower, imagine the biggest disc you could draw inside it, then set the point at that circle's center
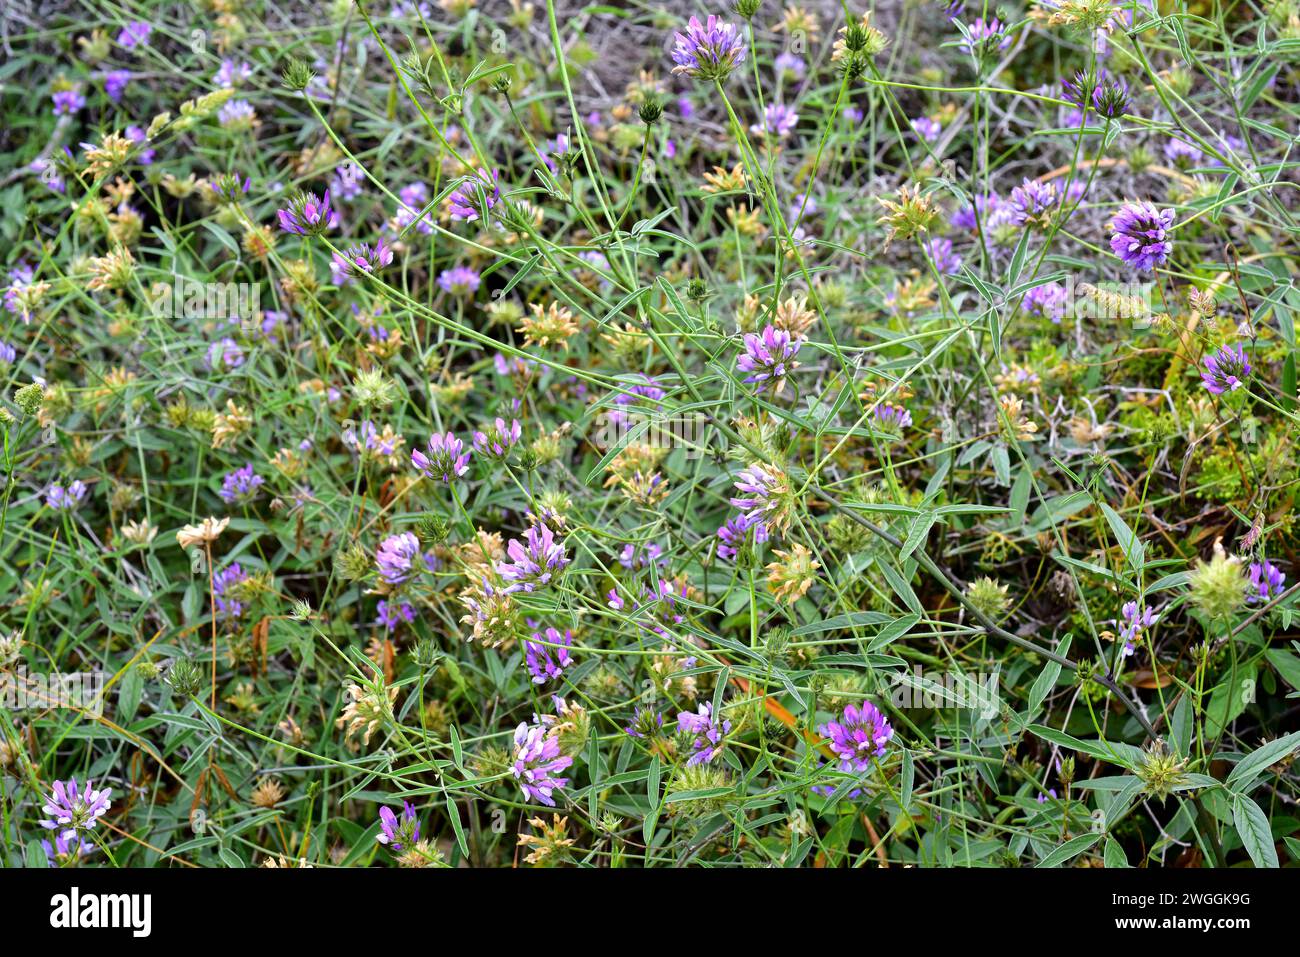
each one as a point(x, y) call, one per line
point(134, 34)
point(476, 195)
point(73, 810)
point(769, 356)
point(926, 128)
point(708, 731)
point(1133, 622)
point(459, 281)
point(358, 259)
point(224, 583)
point(940, 252)
point(396, 557)
point(240, 485)
point(537, 761)
point(498, 442)
point(1266, 580)
point(778, 120)
point(985, 37)
point(1140, 235)
point(1226, 370)
point(392, 614)
point(1049, 299)
point(892, 418)
point(533, 561)
point(308, 216)
point(859, 735)
point(115, 84)
point(65, 499)
point(67, 102)
point(396, 833)
point(734, 534)
point(709, 50)
point(547, 659)
point(1031, 201)
point(445, 458)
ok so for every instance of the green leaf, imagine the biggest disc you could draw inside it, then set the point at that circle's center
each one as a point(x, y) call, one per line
point(1259, 759)
point(1128, 541)
point(1069, 850)
point(1253, 829)
point(1113, 854)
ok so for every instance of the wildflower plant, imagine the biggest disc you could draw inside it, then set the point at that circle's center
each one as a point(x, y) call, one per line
point(607, 431)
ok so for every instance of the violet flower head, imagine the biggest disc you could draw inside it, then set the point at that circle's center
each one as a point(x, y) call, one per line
point(1033, 201)
point(346, 183)
point(308, 215)
point(891, 418)
point(396, 557)
point(778, 120)
point(926, 128)
point(1140, 235)
point(1226, 370)
point(769, 356)
point(134, 34)
point(940, 252)
point(392, 613)
point(67, 102)
point(444, 458)
point(358, 259)
point(74, 810)
point(231, 73)
point(65, 499)
point(533, 561)
point(396, 833)
point(1133, 622)
point(785, 63)
point(237, 114)
point(115, 82)
point(763, 489)
point(708, 733)
point(63, 850)
point(1178, 152)
point(475, 196)
point(858, 736)
point(985, 37)
point(709, 50)
point(645, 722)
point(240, 485)
point(736, 533)
point(498, 442)
point(965, 218)
point(1049, 299)
point(224, 585)
point(547, 656)
point(537, 762)
point(459, 281)
point(1266, 580)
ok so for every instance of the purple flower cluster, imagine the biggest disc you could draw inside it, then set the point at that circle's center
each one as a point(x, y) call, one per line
point(761, 487)
point(940, 252)
point(769, 356)
point(224, 582)
point(398, 834)
point(1098, 91)
point(1226, 370)
point(778, 120)
point(858, 736)
point(537, 762)
point(709, 733)
point(459, 281)
point(443, 459)
point(308, 215)
point(533, 561)
point(498, 442)
point(396, 558)
point(891, 418)
point(709, 50)
point(358, 259)
point(392, 614)
point(1049, 299)
point(548, 657)
point(133, 34)
point(73, 810)
point(67, 102)
point(240, 485)
point(1266, 580)
point(475, 196)
point(65, 499)
point(734, 534)
point(1140, 235)
point(1133, 623)
point(1032, 200)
